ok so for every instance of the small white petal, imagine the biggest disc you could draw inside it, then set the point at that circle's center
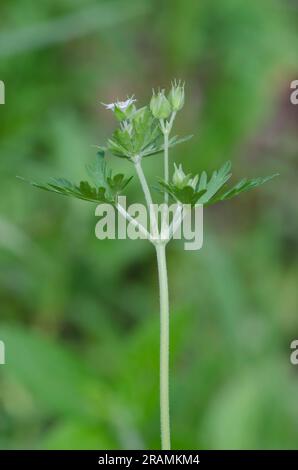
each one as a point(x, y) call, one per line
point(109, 106)
point(123, 105)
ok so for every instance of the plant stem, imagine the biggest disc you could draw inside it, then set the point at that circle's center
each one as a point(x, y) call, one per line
point(147, 194)
point(134, 222)
point(164, 303)
point(177, 220)
point(166, 129)
point(166, 163)
point(164, 346)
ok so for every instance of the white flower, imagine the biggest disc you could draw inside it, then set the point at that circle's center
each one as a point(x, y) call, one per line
point(122, 105)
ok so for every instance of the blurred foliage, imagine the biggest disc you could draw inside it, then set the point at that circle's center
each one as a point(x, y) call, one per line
point(80, 316)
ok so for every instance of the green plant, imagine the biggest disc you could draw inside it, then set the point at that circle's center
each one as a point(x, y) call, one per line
point(142, 133)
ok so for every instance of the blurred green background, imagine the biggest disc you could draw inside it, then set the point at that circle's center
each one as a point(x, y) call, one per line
point(79, 316)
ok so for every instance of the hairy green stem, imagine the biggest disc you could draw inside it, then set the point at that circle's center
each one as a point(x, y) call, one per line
point(164, 347)
point(166, 163)
point(164, 308)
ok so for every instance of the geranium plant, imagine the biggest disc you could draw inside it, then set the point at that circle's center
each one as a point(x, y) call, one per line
point(141, 133)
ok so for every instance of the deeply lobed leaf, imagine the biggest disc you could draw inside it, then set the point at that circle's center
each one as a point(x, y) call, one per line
point(210, 191)
point(186, 195)
point(243, 186)
point(107, 186)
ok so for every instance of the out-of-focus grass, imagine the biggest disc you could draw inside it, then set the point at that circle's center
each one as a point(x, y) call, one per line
point(80, 317)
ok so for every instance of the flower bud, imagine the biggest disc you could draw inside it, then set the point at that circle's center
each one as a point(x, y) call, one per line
point(176, 96)
point(160, 106)
point(180, 179)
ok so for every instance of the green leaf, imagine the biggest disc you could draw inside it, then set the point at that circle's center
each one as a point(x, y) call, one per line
point(98, 170)
point(107, 186)
point(117, 149)
point(209, 192)
point(140, 134)
point(120, 115)
point(176, 140)
point(216, 182)
point(186, 195)
point(118, 182)
point(203, 180)
point(137, 135)
point(243, 186)
point(84, 191)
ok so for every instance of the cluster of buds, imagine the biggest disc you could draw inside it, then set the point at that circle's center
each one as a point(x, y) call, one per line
point(162, 106)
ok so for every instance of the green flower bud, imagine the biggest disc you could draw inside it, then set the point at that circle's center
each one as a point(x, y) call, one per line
point(176, 96)
point(160, 106)
point(180, 179)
